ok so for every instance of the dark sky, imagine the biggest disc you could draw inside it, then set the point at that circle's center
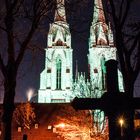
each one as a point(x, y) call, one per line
point(33, 63)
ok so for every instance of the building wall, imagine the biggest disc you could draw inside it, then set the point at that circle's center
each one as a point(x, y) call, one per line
point(101, 49)
point(56, 79)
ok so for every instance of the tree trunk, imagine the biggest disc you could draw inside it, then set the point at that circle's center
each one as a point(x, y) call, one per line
point(8, 103)
point(130, 114)
point(130, 125)
point(128, 84)
point(7, 129)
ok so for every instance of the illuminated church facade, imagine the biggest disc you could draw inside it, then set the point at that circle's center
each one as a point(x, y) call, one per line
point(56, 80)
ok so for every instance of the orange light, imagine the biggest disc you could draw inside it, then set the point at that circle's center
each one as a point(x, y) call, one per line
point(61, 125)
point(121, 122)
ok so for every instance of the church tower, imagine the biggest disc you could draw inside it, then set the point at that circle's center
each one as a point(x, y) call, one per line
point(56, 78)
point(101, 46)
point(101, 49)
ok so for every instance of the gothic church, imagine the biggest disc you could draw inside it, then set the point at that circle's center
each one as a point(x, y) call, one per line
point(56, 80)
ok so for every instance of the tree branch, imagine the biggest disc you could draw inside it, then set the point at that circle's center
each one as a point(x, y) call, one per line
point(2, 28)
point(9, 27)
point(118, 39)
point(2, 67)
point(24, 46)
point(125, 15)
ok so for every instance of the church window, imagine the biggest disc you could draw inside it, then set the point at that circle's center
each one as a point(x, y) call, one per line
point(101, 42)
point(54, 37)
point(67, 70)
point(48, 70)
point(95, 70)
point(59, 43)
point(103, 68)
point(58, 74)
point(58, 100)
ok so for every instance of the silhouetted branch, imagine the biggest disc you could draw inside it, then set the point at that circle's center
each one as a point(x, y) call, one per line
point(2, 28)
point(24, 46)
point(2, 66)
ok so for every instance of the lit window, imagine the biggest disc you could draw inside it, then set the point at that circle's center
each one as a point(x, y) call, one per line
point(48, 70)
point(58, 74)
point(67, 70)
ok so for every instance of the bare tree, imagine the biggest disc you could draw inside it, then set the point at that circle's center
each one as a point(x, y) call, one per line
point(126, 31)
point(19, 22)
point(17, 38)
point(73, 124)
point(24, 115)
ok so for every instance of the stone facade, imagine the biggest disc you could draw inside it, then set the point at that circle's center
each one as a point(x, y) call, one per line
point(56, 83)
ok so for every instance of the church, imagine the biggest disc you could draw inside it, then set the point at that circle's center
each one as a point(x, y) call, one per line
point(56, 80)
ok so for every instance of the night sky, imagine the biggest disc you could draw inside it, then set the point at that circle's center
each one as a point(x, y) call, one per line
point(79, 19)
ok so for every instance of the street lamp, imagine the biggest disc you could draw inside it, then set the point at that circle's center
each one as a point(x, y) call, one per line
point(121, 123)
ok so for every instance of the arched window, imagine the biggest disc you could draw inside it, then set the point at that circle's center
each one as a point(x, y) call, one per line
point(59, 43)
point(58, 73)
point(103, 68)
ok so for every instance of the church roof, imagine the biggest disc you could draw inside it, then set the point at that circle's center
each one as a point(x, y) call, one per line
point(60, 14)
point(59, 29)
point(99, 27)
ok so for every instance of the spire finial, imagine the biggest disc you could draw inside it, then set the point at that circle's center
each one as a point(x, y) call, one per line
point(60, 11)
point(98, 25)
point(98, 15)
point(76, 71)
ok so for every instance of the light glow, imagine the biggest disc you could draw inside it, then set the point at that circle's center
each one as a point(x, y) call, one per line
point(61, 125)
point(29, 94)
point(121, 122)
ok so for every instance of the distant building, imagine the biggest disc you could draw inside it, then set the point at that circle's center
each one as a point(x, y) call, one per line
point(56, 80)
point(56, 122)
point(50, 116)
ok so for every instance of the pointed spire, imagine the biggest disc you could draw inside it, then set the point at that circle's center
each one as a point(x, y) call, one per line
point(60, 11)
point(92, 39)
point(98, 24)
point(84, 75)
point(101, 35)
point(98, 15)
point(78, 76)
point(110, 35)
point(76, 71)
point(59, 35)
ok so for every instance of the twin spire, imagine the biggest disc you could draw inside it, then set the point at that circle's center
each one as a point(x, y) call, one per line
point(100, 32)
point(98, 14)
point(60, 14)
point(100, 29)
